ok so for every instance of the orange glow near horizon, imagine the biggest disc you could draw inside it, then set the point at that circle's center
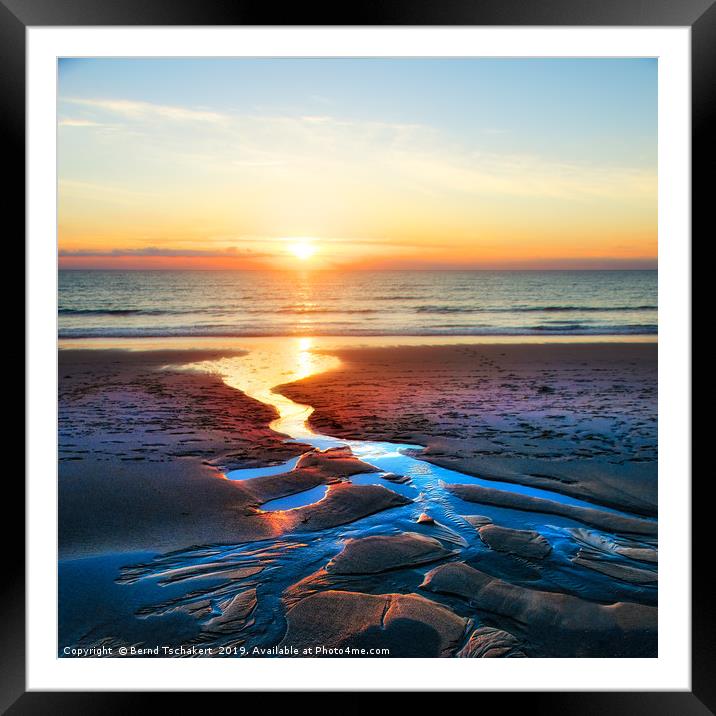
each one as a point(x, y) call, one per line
point(463, 256)
point(423, 164)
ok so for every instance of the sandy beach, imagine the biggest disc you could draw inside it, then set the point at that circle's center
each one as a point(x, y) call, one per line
point(146, 447)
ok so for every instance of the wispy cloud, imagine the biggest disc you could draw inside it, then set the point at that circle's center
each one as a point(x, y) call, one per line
point(142, 110)
point(413, 155)
point(525, 176)
point(105, 193)
point(68, 122)
point(403, 155)
point(155, 251)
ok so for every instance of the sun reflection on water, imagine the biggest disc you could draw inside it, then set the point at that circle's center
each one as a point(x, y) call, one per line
point(260, 371)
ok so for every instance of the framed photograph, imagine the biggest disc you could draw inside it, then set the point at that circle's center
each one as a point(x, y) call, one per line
point(359, 352)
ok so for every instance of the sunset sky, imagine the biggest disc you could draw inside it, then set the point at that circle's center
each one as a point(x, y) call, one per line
point(358, 163)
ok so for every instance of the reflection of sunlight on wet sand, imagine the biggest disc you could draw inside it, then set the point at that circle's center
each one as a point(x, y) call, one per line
point(261, 370)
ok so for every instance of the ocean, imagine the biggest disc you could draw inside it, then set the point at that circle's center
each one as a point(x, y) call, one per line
point(123, 304)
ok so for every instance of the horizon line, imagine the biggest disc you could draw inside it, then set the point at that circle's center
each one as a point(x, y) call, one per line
point(351, 270)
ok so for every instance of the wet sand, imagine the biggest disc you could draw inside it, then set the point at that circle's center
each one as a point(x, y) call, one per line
point(144, 499)
point(139, 450)
point(578, 419)
point(143, 451)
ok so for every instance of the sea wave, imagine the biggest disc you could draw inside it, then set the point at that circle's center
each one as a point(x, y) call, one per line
point(320, 310)
point(532, 309)
point(300, 310)
point(575, 329)
point(100, 311)
point(120, 312)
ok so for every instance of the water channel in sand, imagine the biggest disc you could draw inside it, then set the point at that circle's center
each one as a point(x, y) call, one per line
point(155, 606)
point(259, 373)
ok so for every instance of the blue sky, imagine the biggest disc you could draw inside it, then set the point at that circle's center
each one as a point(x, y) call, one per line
point(602, 108)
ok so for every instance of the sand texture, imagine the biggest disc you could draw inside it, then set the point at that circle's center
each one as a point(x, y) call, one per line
point(369, 555)
point(609, 521)
point(407, 624)
point(523, 543)
point(559, 623)
point(491, 643)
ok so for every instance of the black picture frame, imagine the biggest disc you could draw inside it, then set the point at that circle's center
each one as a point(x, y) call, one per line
point(699, 15)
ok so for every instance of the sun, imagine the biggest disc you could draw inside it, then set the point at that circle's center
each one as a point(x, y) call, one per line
point(302, 248)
